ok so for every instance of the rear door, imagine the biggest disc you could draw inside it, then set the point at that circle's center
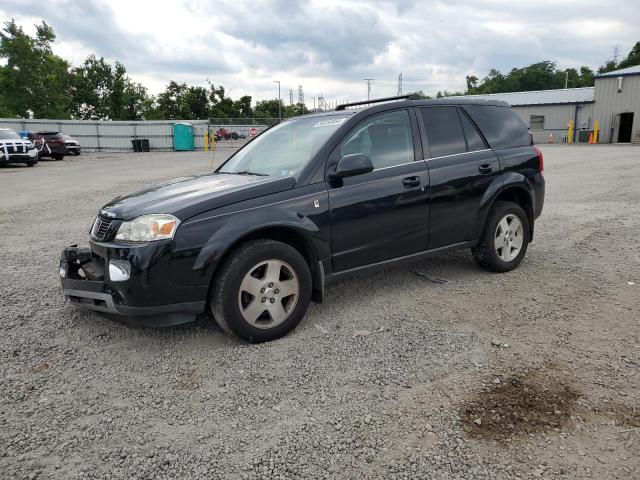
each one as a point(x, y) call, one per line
point(461, 168)
point(382, 214)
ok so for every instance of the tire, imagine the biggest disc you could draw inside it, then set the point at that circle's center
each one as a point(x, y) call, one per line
point(489, 253)
point(31, 164)
point(76, 153)
point(234, 136)
point(247, 269)
point(58, 156)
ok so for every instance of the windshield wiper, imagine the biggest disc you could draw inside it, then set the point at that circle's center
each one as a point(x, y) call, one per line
point(246, 172)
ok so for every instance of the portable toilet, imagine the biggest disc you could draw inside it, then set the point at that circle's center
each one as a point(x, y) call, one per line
point(183, 137)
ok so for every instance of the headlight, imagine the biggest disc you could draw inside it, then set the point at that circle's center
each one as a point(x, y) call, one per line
point(148, 228)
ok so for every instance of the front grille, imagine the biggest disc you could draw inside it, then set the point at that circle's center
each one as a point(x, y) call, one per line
point(15, 148)
point(104, 228)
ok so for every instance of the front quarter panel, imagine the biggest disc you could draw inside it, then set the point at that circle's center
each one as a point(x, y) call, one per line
point(202, 241)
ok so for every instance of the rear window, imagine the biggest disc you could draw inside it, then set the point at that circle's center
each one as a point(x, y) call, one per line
point(501, 126)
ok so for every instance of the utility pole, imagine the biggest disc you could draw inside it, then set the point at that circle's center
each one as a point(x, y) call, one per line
point(400, 84)
point(566, 79)
point(369, 80)
point(301, 98)
point(279, 101)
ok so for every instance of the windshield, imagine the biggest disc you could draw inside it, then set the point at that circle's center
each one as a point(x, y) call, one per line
point(9, 135)
point(285, 149)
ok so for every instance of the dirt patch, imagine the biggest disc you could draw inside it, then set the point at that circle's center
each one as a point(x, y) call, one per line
point(519, 404)
point(621, 415)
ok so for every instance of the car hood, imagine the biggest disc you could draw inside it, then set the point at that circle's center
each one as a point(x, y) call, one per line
point(189, 196)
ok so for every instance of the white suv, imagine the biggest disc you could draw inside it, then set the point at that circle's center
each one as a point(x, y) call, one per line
point(15, 149)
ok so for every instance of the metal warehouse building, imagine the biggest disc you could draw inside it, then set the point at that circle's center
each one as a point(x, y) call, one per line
point(614, 102)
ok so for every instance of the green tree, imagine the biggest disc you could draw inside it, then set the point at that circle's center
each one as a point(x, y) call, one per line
point(472, 82)
point(33, 80)
point(268, 108)
point(92, 84)
point(633, 58)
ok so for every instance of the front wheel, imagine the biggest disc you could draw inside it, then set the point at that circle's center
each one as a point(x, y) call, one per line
point(58, 156)
point(505, 238)
point(262, 291)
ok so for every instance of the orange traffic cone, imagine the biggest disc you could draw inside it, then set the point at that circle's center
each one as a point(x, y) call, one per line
point(550, 138)
point(591, 137)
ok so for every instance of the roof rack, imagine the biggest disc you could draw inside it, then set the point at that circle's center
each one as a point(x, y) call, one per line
point(412, 96)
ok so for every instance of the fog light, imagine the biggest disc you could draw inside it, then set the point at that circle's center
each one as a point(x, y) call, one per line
point(119, 270)
point(63, 270)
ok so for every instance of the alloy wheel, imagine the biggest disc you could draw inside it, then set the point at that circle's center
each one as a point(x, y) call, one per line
point(509, 237)
point(268, 293)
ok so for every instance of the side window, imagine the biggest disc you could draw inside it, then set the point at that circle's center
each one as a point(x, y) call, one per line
point(384, 138)
point(474, 140)
point(444, 131)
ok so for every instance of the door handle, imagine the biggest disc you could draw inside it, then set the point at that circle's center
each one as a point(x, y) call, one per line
point(485, 168)
point(409, 182)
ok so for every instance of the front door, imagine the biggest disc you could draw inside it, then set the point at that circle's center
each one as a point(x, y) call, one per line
point(382, 214)
point(461, 168)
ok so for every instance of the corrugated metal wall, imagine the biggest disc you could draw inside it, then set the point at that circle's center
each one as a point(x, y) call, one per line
point(117, 136)
point(610, 103)
point(556, 119)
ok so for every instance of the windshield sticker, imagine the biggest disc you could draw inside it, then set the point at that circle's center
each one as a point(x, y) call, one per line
point(328, 123)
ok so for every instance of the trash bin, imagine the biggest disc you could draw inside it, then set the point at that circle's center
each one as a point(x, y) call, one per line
point(183, 137)
point(140, 144)
point(583, 135)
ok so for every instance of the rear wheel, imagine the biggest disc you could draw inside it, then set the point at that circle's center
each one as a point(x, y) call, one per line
point(262, 291)
point(58, 156)
point(505, 238)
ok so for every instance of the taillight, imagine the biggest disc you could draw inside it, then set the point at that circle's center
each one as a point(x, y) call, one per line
point(540, 159)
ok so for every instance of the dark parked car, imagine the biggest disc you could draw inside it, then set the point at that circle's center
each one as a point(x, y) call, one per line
point(310, 200)
point(15, 149)
point(71, 145)
point(227, 134)
point(49, 144)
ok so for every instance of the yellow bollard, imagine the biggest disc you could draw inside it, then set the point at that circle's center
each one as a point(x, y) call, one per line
point(570, 132)
point(596, 130)
point(206, 141)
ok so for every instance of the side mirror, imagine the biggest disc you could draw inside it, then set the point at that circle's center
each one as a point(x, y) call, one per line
point(350, 165)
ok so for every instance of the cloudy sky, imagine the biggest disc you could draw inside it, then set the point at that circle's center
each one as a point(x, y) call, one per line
point(331, 46)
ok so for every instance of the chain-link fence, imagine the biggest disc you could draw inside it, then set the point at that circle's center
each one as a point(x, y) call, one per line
point(117, 136)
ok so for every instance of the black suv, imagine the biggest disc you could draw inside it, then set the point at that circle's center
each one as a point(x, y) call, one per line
point(312, 199)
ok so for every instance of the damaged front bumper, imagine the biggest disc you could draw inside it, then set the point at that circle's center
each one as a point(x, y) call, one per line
point(110, 281)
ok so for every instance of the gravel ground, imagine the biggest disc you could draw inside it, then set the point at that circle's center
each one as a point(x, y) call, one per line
point(434, 370)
